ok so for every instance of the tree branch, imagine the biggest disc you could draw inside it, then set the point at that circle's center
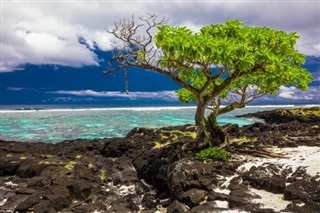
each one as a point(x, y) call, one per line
point(230, 79)
point(141, 52)
point(241, 98)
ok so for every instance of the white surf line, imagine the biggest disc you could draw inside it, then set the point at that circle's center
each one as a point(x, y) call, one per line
point(160, 108)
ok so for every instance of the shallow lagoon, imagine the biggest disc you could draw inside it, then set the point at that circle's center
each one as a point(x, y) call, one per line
point(55, 125)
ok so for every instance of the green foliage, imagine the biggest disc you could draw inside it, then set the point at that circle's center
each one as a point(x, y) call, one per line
point(212, 153)
point(140, 55)
point(254, 56)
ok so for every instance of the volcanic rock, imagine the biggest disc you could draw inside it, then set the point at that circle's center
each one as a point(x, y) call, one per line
point(147, 171)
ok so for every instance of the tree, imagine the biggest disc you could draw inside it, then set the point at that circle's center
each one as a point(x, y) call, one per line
point(230, 63)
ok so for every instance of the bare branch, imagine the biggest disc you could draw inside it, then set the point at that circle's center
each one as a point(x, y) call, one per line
point(138, 48)
point(241, 97)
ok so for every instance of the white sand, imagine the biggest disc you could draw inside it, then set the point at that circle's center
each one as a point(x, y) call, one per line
point(303, 156)
point(222, 191)
point(10, 183)
point(222, 204)
point(269, 200)
point(227, 182)
point(233, 211)
point(3, 202)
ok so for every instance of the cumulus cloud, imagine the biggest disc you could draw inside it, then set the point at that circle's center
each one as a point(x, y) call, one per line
point(162, 95)
point(48, 32)
point(35, 33)
point(294, 94)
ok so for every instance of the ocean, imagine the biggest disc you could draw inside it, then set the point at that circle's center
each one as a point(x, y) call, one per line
point(54, 124)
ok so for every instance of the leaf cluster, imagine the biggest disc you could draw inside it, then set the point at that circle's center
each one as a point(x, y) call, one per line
point(213, 153)
point(250, 56)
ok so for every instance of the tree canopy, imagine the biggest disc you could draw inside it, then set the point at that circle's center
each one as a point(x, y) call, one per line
point(221, 62)
point(228, 58)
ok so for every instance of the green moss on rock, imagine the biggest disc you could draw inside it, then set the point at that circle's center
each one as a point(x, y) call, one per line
point(313, 111)
point(70, 165)
point(243, 140)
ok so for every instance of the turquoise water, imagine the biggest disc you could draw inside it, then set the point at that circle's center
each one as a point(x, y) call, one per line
point(55, 125)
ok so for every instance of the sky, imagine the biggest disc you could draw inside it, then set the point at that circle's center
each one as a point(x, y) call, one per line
point(54, 52)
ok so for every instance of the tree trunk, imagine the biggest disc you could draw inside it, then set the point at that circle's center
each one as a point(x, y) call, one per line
point(200, 122)
point(216, 135)
point(209, 133)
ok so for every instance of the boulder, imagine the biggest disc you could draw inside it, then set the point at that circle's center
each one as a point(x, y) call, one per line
point(59, 197)
point(24, 167)
point(36, 181)
point(80, 189)
point(193, 197)
point(28, 204)
point(177, 207)
point(44, 206)
point(306, 190)
point(149, 201)
point(268, 177)
point(239, 199)
point(8, 168)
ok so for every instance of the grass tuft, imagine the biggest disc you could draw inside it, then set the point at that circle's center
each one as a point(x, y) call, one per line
point(213, 153)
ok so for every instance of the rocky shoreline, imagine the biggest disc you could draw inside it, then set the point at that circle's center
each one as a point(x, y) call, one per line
point(274, 167)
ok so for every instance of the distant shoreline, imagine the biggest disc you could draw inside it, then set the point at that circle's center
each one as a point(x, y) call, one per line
point(34, 108)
